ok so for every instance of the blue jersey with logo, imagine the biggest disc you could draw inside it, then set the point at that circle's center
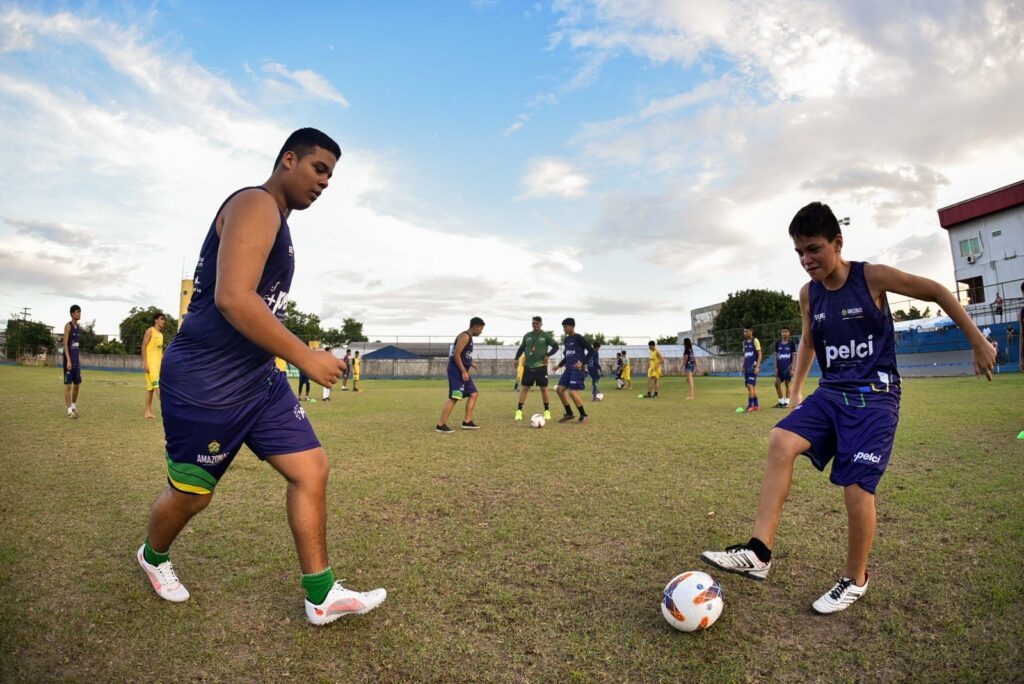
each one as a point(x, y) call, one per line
point(783, 356)
point(854, 341)
point(577, 350)
point(750, 349)
point(594, 363)
point(209, 363)
point(74, 346)
point(467, 352)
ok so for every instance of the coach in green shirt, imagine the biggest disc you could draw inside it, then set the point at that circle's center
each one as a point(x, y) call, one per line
point(538, 345)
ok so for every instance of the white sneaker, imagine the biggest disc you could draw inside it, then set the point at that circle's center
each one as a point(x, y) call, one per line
point(738, 559)
point(840, 597)
point(341, 601)
point(163, 579)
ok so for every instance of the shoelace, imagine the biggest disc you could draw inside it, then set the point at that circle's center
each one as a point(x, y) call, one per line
point(736, 548)
point(837, 591)
point(168, 577)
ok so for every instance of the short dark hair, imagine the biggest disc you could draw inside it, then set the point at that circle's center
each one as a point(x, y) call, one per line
point(748, 326)
point(538, 319)
point(158, 314)
point(475, 321)
point(597, 345)
point(569, 321)
point(785, 327)
point(304, 141)
point(74, 308)
point(815, 220)
point(652, 343)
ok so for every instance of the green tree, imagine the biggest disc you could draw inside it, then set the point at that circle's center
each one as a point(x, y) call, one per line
point(28, 337)
point(133, 328)
point(305, 326)
point(493, 340)
point(912, 314)
point(87, 337)
point(767, 310)
point(668, 339)
point(352, 330)
point(617, 341)
point(113, 347)
point(595, 338)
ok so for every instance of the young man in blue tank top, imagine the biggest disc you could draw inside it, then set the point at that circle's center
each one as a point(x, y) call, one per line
point(460, 385)
point(851, 418)
point(72, 364)
point(221, 389)
point(784, 349)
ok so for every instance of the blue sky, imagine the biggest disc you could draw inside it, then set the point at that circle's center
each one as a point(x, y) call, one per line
point(621, 162)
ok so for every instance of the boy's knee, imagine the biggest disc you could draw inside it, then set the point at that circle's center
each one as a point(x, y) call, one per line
point(785, 445)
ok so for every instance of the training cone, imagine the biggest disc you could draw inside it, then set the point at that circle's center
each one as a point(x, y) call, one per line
point(740, 409)
point(1021, 435)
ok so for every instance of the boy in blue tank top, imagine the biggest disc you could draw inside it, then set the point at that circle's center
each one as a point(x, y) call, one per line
point(851, 418)
point(460, 385)
point(752, 357)
point(220, 387)
point(784, 349)
point(72, 363)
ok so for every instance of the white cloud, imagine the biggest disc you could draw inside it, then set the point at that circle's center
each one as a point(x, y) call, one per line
point(309, 81)
point(552, 177)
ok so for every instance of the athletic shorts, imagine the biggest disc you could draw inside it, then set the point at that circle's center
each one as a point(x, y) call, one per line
point(355, 376)
point(651, 373)
point(151, 382)
point(858, 440)
point(626, 374)
point(73, 376)
point(691, 367)
point(573, 379)
point(784, 374)
point(750, 378)
point(535, 376)
point(457, 389)
point(201, 442)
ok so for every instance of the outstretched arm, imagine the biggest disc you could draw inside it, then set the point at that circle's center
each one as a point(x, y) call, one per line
point(882, 279)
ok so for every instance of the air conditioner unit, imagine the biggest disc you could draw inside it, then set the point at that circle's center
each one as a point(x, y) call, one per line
point(971, 258)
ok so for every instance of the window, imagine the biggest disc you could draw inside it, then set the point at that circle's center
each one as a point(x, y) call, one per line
point(970, 246)
point(997, 233)
point(975, 289)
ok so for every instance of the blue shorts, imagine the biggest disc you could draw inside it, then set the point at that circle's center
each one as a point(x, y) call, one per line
point(691, 367)
point(784, 374)
point(201, 442)
point(573, 379)
point(457, 389)
point(73, 376)
point(750, 378)
point(858, 439)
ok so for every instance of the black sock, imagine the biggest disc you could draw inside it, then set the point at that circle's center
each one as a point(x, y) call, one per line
point(520, 406)
point(568, 410)
point(582, 410)
point(763, 553)
point(546, 406)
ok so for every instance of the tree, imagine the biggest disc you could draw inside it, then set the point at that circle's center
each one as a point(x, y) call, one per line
point(617, 340)
point(134, 327)
point(493, 341)
point(305, 326)
point(767, 310)
point(87, 338)
point(28, 338)
point(353, 330)
point(595, 338)
point(113, 347)
point(668, 339)
point(912, 315)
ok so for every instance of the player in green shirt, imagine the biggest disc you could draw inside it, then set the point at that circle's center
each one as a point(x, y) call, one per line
point(537, 345)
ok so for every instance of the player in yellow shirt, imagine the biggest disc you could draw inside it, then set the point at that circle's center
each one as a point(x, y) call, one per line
point(355, 372)
point(627, 370)
point(152, 355)
point(520, 367)
point(654, 371)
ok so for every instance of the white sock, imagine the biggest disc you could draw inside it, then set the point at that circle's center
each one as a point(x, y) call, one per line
point(327, 392)
point(74, 406)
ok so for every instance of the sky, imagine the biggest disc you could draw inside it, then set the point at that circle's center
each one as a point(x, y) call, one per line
point(619, 161)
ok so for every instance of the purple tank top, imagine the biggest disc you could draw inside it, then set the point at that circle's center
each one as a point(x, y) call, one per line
point(209, 363)
point(467, 352)
point(74, 345)
point(854, 342)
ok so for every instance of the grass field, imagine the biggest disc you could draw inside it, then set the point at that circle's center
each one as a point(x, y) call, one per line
point(511, 554)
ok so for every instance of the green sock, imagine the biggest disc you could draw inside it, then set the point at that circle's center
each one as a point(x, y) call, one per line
point(154, 557)
point(318, 586)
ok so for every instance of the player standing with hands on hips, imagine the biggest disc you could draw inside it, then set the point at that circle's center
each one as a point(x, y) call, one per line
point(851, 418)
point(220, 388)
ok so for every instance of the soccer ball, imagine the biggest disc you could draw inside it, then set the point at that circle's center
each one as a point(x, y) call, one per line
point(600, 396)
point(537, 420)
point(692, 601)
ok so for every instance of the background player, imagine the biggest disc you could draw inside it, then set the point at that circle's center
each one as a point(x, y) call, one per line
point(355, 372)
point(460, 385)
point(72, 365)
point(851, 418)
point(577, 355)
point(654, 367)
point(303, 382)
point(520, 367)
point(627, 371)
point(220, 388)
point(152, 357)
point(752, 356)
point(533, 353)
point(689, 363)
point(784, 349)
point(594, 370)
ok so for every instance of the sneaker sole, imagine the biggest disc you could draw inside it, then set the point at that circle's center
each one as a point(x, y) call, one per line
point(745, 573)
point(470, 427)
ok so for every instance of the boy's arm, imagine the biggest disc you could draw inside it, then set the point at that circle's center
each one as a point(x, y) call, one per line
point(882, 279)
point(519, 352)
point(145, 343)
point(805, 352)
point(250, 224)
point(460, 343)
point(760, 355)
point(67, 356)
